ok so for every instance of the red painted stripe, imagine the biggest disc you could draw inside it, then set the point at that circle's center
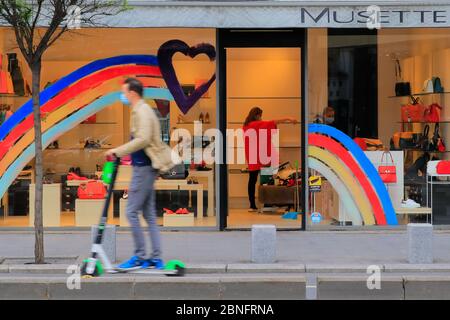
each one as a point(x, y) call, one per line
point(343, 154)
point(70, 93)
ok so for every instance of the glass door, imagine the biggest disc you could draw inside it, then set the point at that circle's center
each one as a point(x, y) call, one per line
point(262, 108)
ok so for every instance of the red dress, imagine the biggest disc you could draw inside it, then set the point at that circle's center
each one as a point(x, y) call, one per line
point(261, 134)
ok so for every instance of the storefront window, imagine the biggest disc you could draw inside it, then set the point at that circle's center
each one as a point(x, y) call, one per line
point(78, 143)
point(378, 125)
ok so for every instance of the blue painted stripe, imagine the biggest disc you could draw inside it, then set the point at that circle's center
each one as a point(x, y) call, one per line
point(67, 124)
point(365, 164)
point(48, 93)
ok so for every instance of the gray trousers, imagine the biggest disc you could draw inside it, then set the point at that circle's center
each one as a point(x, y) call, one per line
point(141, 197)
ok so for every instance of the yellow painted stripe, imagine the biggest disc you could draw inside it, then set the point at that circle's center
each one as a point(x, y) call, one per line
point(348, 179)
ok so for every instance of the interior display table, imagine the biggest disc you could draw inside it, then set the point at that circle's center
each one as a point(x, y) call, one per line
point(51, 205)
point(160, 184)
point(407, 212)
point(88, 211)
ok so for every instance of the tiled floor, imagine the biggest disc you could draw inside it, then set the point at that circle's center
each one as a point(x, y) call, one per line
point(237, 218)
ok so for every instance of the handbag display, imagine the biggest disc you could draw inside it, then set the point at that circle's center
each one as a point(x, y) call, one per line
point(387, 170)
point(413, 112)
point(443, 167)
point(401, 88)
point(177, 172)
point(433, 85)
point(437, 85)
point(437, 143)
point(367, 144)
point(432, 113)
point(405, 140)
point(91, 190)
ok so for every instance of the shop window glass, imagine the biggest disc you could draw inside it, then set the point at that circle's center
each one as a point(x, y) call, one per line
point(81, 146)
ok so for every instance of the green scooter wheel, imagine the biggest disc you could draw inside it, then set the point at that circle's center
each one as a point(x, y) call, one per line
point(177, 266)
point(98, 270)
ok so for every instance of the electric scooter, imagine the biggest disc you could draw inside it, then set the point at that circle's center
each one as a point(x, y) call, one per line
point(99, 263)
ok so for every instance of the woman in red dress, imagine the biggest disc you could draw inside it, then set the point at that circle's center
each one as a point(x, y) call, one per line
point(262, 129)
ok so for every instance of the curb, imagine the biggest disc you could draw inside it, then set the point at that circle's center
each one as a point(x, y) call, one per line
point(250, 268)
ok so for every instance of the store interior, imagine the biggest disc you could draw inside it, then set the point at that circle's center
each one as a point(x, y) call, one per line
point(265, 77)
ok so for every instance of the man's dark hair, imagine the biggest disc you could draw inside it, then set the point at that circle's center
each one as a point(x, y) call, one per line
point(135, 85)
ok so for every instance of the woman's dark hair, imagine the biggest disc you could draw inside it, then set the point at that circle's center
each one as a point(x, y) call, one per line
point(253, 115)
point(135, 85)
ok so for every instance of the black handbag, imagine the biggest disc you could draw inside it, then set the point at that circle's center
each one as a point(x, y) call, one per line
point(401, 88)
point(177, 172)
point(424, 142)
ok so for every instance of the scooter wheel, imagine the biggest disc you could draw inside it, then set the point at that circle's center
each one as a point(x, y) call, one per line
point(180, 272)
point(86, 275)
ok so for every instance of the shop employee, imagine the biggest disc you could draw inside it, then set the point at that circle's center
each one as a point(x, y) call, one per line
point(252, 152)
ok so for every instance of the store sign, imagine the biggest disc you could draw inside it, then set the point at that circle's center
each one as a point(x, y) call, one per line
point(283, 14)
point(343, 17)
point(315, 184)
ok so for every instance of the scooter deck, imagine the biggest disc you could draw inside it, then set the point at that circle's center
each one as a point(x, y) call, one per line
point(146, 271)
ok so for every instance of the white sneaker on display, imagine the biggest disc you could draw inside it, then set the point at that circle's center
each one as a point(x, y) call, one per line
point(410, 203)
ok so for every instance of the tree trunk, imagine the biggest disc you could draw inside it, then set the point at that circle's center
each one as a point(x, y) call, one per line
point(38, 221)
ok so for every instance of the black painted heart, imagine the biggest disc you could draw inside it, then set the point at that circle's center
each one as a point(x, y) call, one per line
point(165, 54)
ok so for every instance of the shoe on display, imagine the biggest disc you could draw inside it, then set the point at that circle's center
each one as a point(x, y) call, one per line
point(200, 118)
point(156, 263)
point(410, 204)
point(134, 263)
point(207, 117)
point(168, 211)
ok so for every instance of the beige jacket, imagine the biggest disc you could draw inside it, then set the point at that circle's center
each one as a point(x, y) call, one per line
point(145, 129)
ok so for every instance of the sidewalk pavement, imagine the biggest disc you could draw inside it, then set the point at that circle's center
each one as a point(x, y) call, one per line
point(321, 247)
point(310, 265)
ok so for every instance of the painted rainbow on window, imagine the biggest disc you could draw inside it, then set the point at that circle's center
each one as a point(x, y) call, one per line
point(86, 91)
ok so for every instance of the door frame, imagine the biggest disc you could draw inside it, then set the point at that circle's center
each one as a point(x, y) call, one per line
point(252, 38)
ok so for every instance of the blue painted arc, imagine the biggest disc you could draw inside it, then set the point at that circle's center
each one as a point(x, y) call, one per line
point(365, 164)
point(26, 109)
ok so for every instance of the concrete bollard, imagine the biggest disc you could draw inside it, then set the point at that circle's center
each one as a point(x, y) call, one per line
point(420, 243)
point(109, 240)
point(264, 239)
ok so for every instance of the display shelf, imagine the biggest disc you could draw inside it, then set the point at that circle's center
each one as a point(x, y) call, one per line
point(12, 95)
point(420, 94)
point(193, 122)
point(422, 122)
point(242, 122)
point(89, 149)
point(420, 150)
point(100, 123)
point(268, 98)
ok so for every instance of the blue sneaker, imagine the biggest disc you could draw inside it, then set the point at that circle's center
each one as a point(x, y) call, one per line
point(134, 263)
point(155, 263)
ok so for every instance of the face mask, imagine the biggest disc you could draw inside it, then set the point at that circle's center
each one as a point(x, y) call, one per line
point(124, 99)
point(329, 119)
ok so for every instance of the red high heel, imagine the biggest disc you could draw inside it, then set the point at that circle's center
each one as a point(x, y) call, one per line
point(168, 211)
